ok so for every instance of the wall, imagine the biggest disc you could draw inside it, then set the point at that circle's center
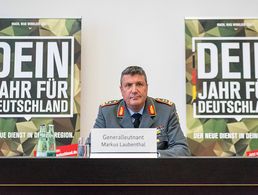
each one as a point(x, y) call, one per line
point(118, 33)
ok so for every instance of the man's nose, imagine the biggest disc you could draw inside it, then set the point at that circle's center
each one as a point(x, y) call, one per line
point(134, 88)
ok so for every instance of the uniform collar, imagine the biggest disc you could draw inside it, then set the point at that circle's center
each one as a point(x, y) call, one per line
point(148, 109)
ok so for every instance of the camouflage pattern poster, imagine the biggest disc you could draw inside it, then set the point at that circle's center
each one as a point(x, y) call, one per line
point(222, 86)
point(39, 82)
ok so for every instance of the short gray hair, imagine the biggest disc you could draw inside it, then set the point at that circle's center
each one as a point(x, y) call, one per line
point(133, 70)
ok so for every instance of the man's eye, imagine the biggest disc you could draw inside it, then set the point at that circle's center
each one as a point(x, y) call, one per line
point(128, 85)
point(139, 84)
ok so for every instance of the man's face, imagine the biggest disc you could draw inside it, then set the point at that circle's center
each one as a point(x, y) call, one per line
point(134, 90)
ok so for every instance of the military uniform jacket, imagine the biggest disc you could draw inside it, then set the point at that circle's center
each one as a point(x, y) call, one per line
point(157, 113)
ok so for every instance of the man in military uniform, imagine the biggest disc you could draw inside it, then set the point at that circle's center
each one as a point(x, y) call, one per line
point(137, 110)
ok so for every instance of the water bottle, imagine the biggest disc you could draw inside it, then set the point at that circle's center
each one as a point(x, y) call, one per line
point(42, 142)
point(88, 147)
point(81, 147)
point(51, 141)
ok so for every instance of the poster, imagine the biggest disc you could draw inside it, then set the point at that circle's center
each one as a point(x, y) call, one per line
point(222, 86)
point(39, 82)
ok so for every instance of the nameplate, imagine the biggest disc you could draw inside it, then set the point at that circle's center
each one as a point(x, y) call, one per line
point(124, 140)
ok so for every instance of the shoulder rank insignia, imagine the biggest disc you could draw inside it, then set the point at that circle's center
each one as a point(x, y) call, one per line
point(164, 101)
point(110, 103)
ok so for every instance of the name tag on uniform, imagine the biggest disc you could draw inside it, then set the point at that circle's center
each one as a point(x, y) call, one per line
point(124, 143)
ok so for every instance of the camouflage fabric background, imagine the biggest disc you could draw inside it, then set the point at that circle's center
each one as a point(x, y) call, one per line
point(42, 27)
point(216, 147)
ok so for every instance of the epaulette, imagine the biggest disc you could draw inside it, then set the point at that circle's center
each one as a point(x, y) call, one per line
point(164, 101)
point(110, 103)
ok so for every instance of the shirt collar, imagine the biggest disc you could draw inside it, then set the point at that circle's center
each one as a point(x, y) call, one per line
point(132, 112)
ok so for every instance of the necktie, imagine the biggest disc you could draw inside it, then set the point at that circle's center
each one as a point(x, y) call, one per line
point(136, 122)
